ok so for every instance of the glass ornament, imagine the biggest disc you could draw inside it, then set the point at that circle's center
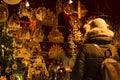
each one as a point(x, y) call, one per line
point(12, 2)
point(16, 76)
point(14, 22)
point(14, 25)
point(55, 36)
point(3, 13)
point(40, 13)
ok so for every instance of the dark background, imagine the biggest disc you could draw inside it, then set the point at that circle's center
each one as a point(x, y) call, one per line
point(109, 8)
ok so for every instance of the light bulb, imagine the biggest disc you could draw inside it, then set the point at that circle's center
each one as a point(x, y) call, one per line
point(27, 4)
point(70, 1)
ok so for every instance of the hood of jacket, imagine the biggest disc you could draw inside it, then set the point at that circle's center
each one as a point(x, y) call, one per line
point(99, 39)
point(97, 31)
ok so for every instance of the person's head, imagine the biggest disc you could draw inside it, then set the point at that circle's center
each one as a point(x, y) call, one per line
point(97, 26)
point(69, 48)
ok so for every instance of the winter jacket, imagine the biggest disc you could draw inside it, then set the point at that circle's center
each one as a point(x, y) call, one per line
point(88, 60)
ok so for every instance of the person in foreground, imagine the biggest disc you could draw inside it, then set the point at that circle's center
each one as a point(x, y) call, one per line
point(88, 60)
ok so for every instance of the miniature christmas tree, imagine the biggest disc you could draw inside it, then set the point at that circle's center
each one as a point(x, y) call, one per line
point(9, 65)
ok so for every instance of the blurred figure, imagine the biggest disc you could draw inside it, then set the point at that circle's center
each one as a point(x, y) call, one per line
point(66, 60)
point(88, 60)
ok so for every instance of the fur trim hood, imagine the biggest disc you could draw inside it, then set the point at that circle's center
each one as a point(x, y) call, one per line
point(96, 27)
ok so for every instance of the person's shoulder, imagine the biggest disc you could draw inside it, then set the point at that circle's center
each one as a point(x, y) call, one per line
point(61, 54)
point(87, 45)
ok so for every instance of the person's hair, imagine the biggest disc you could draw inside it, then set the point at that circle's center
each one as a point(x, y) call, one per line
point(67, 45)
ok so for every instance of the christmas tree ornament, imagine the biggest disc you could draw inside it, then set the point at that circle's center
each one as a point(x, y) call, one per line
point(4, 13)
point(12, 2)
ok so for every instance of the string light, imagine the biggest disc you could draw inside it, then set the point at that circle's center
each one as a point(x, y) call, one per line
point(1, 1)
point(70, 1)
point(27, 4)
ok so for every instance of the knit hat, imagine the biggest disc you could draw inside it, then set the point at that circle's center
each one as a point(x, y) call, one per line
point(97, 26)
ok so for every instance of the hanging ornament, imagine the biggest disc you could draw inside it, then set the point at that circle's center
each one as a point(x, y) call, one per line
point(16, 76)
point(58, 7)
point(15, 66)
point(68, 8)
point(14, 24)
point(75, 22)
point(55, 36)
point(76, 25)
point(8, 70)
point(40, 13)
point(3, 13)
point(33, 24)
point(12, 2)
point(38, 35)
point(3, 51)
point(25, 10)
point(55, 50)
point(22, 53)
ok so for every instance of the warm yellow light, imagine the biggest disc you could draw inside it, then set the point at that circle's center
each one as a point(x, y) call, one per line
point(27, 4)
point(70, 1)
point(79, 11)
